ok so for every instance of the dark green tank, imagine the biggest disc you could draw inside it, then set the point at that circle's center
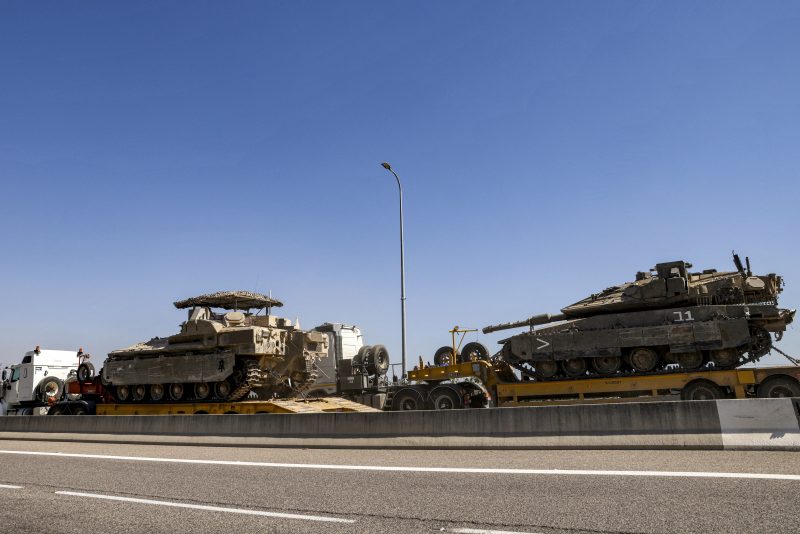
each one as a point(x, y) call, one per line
point(666, 318)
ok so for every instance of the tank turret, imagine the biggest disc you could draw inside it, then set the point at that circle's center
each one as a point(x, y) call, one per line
point(229, 344)
point(666, 317)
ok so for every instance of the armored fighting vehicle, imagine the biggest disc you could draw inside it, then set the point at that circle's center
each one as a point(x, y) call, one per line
point(229, 345)
point(667, 318)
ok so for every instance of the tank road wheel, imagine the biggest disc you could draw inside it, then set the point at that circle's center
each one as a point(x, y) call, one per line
point(574, 367)
point(122, 393)
point(702, 390)
point(444, 356)
point(689, 360)
point(176, 392)
point(643, 360)
point(725, 358)
point(201, 391)
point(138, 392)
point(545, 368)
point(444, 398)
point(222, 389)
point(474, 351)
point(607, 365)
point(156, 392)
point(778, 387)
point(407, 400)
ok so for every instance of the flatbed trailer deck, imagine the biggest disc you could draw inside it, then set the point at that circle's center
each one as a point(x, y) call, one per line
point(781, 381)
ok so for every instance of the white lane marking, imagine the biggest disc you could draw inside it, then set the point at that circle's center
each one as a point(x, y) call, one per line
point(208, 508)
point(457, 470)
point(6, 486)
point(482, 531)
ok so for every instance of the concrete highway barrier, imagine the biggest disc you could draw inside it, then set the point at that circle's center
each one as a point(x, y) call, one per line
point(755, 424)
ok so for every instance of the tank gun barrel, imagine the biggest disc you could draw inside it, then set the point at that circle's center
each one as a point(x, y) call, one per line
point(542, 318)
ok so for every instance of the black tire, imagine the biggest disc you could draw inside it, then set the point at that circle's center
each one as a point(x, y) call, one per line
point(379, 362)
point(474, 351)
point(445, 398)
point(80, 409)
point(362, 357)
point(50, 388)
point(444, 356)
point(85, 372)
point(408, 400)
point(702, 390)
point(778, 387)
point(56, 410)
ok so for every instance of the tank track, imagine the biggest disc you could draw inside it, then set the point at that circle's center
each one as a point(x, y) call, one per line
point(753, 354)
point(252, 379)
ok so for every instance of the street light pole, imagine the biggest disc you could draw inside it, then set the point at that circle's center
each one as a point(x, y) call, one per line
point(402, 271)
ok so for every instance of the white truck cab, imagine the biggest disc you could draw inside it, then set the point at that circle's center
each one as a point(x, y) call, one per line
point(344, 342)
point(37, 381)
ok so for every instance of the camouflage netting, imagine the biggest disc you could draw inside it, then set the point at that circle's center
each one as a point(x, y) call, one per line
point(230, 300)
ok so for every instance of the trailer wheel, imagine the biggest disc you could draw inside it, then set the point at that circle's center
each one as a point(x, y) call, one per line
point(50, 388)
point(56, 410)
point(474, 351)
point(407, 400)
point(85, 372)
point(445, 356)
point(778, 387)
point(80, 409)
point(702, 390)
point(445, 398)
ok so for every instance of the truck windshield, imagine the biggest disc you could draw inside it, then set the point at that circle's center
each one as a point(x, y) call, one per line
point(15, 375)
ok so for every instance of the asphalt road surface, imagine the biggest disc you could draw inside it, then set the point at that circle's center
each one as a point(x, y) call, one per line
point(85, 487)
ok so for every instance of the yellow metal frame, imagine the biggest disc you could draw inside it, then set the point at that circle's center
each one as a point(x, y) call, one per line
point(320, 405)
point(525, 393)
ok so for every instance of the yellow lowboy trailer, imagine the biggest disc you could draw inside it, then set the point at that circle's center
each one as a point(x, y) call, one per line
point(316, 405)
point(506, 390)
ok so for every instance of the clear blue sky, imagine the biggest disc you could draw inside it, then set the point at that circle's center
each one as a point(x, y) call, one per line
point(151, 151)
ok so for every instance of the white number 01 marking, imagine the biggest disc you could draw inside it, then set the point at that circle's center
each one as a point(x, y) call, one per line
point(683, 316)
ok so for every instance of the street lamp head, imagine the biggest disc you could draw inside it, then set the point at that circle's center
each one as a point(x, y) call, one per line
point(386, 166)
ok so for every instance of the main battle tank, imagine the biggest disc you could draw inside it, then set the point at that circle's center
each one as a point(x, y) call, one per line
point(218, 355)
point(665, 318)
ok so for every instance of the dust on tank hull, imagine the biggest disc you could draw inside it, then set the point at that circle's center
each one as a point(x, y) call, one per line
point(229, 345)
point(668, 318)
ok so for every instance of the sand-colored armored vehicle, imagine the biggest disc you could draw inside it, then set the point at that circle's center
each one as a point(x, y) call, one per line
point(229, 345)
point(666, 318)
